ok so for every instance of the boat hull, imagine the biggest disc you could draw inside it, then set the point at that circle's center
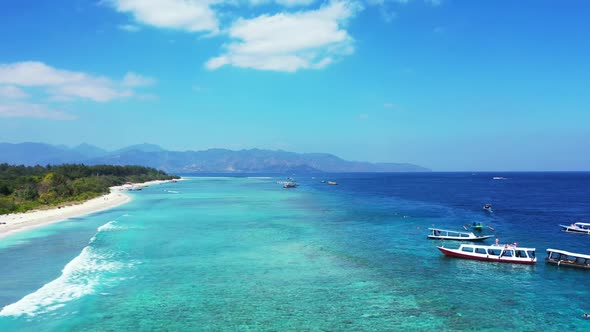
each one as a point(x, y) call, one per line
point(560, 263)
point(569, 259)
point(570, 229)
point(460, 238)
point(488, 258)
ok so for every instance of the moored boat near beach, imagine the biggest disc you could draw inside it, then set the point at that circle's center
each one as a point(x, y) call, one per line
point(578, 227)
point(566, 258)
point(443, 234)
point(507, 253)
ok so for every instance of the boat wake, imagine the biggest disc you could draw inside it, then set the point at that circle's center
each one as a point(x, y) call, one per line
point(91, 270)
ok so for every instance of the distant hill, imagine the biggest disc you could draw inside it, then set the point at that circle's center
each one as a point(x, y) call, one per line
point(89, 151)
point(37, 154)
point(212, 160)
point(145, 147)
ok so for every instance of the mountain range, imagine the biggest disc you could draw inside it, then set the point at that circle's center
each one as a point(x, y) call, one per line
point(208, 161)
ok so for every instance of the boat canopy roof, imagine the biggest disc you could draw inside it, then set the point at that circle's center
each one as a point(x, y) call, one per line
point(582, 224)
point(563, 252)
point(448, 230)
point(493, 246)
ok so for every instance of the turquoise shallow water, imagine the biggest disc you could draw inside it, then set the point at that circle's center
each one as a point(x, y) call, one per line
point(243, 254)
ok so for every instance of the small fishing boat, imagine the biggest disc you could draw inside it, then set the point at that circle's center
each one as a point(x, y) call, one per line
point(487, 207)
point(332, 183)
point(566, 258)
point(578, 227)
point(508, 253)
point(289, 184)
point(443, 234)
point(477, 226)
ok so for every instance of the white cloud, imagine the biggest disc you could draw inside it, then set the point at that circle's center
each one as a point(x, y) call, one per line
point(290, 41)
point(135, 80)
point(69, 85)
point(290, 3)
point(189, 15)
point(32, 73)
point(387, 15)
point(26, 110)
point(286, 3)
point(10, 91)
point(100, 93)
point(129, 27)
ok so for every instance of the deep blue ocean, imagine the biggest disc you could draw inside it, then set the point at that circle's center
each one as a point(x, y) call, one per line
point(244, 254)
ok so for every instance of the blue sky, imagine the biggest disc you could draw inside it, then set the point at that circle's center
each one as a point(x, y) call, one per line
point(447, 84)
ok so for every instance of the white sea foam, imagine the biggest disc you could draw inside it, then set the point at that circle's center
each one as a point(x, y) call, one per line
point(110, 226)
point(81, 276)
point(173, 191)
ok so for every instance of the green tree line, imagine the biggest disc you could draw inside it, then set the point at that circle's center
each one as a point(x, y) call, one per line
point(24, 188)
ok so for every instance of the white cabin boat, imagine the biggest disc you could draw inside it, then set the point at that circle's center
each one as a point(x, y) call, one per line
point(290, 184)
point(578, 227)
point(507, 253)
point(566, 258)
point(443, 234)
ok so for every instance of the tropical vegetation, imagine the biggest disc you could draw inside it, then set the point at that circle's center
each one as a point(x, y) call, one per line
point(24, 188)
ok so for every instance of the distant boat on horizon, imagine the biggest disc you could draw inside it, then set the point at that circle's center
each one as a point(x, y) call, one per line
point(289, 184)
point(499, 178)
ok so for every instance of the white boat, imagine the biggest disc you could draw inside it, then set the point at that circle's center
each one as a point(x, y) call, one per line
point(578, 227)
point(507, 253)
point(487, 207)
point(443, 234)
point(290, 184)
point(566, 258)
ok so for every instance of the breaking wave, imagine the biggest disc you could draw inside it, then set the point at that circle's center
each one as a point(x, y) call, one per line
point(110, 226)
point(92, 269)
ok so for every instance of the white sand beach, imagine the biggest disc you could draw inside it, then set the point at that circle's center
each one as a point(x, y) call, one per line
point(20, 222)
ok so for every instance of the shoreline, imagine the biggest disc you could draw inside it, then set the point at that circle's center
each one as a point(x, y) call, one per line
point(21, 222)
